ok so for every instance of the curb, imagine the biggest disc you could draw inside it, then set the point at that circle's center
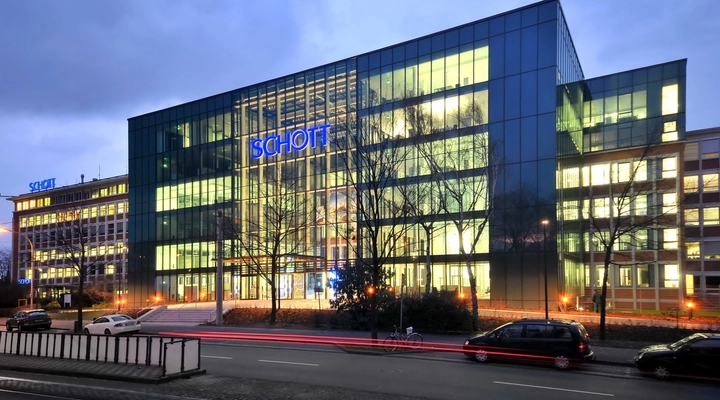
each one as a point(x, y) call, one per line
point(134, 379)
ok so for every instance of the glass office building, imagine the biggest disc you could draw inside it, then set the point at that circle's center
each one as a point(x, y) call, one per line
point(518, 69)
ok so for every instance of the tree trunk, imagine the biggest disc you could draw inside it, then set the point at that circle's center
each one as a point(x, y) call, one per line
point(473, 296)
point(604, 291)
point(78, 326)
point(428, 267)
point(374, 304)
point(273, 310)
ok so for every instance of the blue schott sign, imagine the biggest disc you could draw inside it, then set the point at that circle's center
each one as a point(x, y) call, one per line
point(298, 140)
point(24, 281)
point(42, 185)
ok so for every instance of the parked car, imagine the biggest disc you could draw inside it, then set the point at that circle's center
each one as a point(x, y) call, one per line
point(533, 340)
point(29, 319)
point(697, 355)
point(113, 325)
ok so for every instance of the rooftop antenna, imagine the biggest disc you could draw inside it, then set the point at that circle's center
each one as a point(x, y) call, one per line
point(82, 178)
point(98, 172)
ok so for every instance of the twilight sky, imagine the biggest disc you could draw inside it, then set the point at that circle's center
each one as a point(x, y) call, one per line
point(72, 72)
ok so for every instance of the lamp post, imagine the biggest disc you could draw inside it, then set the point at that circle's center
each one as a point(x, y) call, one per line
point(32, 261)
point(545, 224)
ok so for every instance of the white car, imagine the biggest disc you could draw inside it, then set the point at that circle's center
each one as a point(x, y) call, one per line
point(113, 325)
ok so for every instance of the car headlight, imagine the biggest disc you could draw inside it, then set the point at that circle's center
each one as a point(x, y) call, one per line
point(639, 356)
point(467, 342)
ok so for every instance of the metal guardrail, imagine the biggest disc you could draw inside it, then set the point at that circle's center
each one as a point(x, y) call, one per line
point(173, 355)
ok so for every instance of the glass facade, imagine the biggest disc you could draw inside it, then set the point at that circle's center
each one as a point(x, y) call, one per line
point(615, 130)
point(225, 154)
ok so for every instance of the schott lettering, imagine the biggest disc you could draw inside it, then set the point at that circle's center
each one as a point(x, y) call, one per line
point(298, 140)
point(42, 185)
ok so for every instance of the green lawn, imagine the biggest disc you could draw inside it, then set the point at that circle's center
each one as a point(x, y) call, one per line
point(87, 315)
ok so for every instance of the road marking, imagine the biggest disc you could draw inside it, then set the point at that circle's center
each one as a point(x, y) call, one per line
point(220, 357)
point(35, 394)
point(288, 362)
point(553, 388)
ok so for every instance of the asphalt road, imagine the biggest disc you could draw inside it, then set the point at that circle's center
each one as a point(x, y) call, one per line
point(454, 378)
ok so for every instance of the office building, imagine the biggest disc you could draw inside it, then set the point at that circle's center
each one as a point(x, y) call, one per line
point(557, 136)
point(82, 224)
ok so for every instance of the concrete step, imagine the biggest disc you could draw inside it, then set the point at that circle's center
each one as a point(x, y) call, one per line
point(180, 315)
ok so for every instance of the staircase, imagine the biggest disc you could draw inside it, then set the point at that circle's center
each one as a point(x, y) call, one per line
point(192, 313)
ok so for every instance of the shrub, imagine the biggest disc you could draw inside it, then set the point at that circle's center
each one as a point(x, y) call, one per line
point(434, 312)
point(101, 306)
point(52, 306)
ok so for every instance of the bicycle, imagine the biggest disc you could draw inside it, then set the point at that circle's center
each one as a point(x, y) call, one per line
point(410, 340)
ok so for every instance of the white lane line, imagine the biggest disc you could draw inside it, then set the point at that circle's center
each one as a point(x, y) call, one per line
point(36, 395)
point(220, 357)
point(553, 388)
point(288, 362)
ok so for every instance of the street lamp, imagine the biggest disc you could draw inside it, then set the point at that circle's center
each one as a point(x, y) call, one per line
point(32, 261)
point(545, 224)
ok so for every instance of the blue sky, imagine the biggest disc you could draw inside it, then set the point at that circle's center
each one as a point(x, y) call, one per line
point(72, 72)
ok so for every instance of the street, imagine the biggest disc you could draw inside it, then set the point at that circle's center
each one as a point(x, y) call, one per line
point(253, 370)
point(449, 377)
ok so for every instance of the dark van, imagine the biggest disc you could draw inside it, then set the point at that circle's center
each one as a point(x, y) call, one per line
point(562, 343)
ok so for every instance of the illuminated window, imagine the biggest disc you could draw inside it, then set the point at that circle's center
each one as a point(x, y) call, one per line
point(621, 206)
point(624, 275)
point(669, 203)
point(640, 171)
point(693, 250)
point(85, 212)
point(669, 167)
point(103, 192)
point(669, 275)
point(586, 176)
point(111, 209)
point(103, 210)
point(23, 222)
point(93, 212)
point(641, 205)
point(691, 183)
point(570, 210)
point(600, 174)
point(711, 216)
point(571, 177)
point(670, 99)
point(669, 131)
point(109, 269)
point(670, 239)
point(710, 182)
point(121, 207)
point(601, 208)
point(621, 172)
point(692, 216)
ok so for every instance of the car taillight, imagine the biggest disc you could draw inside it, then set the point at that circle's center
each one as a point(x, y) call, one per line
point(581, 347)
point(118, 325)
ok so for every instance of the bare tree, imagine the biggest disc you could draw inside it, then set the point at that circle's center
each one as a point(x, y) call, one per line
point(5, 262)
point(464, 171)
point(379, 216)
point(273, 228)
point(74, 237)
point(619, 216)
